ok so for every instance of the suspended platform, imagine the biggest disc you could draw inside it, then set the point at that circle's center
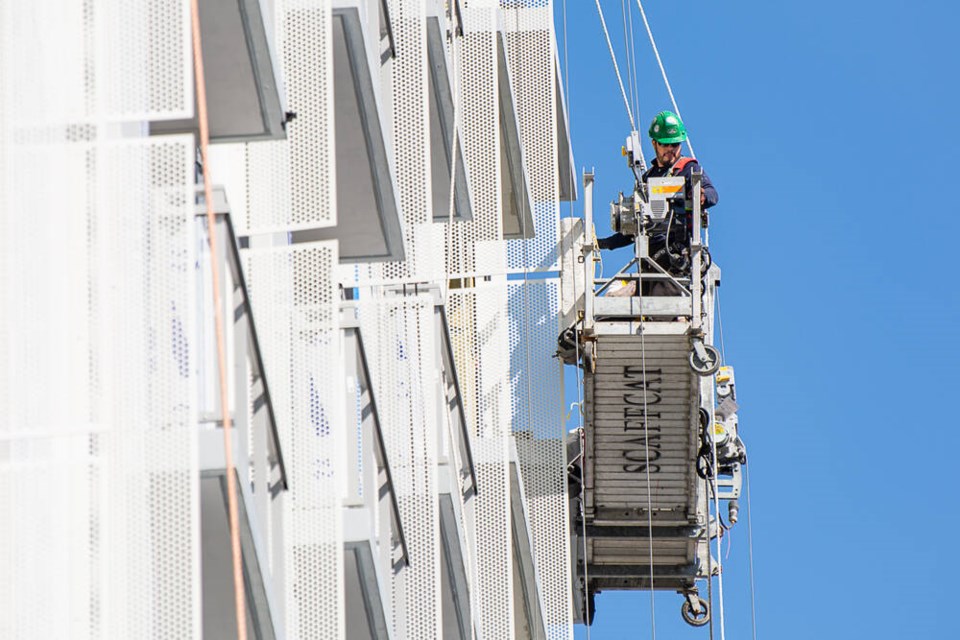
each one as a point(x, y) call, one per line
point(641, 467)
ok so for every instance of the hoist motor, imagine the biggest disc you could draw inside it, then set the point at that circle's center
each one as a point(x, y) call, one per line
point(649, 206)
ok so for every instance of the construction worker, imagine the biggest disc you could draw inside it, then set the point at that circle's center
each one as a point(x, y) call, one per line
point(666, 134)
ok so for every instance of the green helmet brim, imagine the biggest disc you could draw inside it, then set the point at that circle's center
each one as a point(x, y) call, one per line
point(671, 140)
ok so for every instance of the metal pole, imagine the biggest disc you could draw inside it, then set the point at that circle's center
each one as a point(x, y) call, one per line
point(588, 247)
point(696, 247)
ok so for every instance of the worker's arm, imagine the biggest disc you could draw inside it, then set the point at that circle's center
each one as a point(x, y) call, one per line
point(708, 192)
point(615, 241)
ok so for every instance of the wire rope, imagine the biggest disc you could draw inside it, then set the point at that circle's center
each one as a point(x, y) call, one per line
point(746, 479)
point(709, 575)
point(616, 67)
point(646, 441)
point(663, 71)
point(631, 68)
point(232, 500)
point(636, 75)
point(753, 606)
point(716, 506)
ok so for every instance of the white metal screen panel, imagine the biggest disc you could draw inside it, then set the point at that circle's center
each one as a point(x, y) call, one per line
point(400, 338)
point(411, 147)
point(530, 51)
point(97, 431)
point(295, 305)
point(478, 330)
point(476, 246)
point(90, 61)
point(291, 183)
point(536, 396)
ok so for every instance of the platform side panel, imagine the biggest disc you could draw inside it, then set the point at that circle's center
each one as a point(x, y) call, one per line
point(295, 305)
point(644, 388)
point(399, 338)
point(536, 392)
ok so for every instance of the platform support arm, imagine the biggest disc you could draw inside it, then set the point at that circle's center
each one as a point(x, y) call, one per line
point(696, 254)
point(589, 245)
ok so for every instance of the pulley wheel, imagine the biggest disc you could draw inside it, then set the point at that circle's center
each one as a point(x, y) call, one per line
point(695, 619)
point(705, 366)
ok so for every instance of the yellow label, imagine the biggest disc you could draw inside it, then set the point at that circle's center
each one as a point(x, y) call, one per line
point(666, 189)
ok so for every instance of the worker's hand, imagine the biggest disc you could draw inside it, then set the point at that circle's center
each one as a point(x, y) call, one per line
point(703, 198)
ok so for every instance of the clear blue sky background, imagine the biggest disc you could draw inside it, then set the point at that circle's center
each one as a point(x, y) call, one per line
point(830, 130)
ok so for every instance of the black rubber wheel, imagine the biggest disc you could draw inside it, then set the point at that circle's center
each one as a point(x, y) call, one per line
point(693, 619)
point(706, 367)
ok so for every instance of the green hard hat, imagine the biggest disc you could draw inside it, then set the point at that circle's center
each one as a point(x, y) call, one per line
point(667, 128)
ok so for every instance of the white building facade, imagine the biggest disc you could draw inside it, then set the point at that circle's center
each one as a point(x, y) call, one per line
point(388, 180)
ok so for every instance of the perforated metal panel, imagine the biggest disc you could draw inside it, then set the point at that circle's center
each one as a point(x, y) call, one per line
point(291, 184)
point(535, 373)
point(478, 331)
point(476, 245)
point(97, 430)
point(295, 305)
point(401, 343)
point(411, 149)
point(531, 53)
point(537, 418)
point(87, 62)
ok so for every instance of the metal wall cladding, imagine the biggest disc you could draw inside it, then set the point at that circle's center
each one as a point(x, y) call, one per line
point(295, 303)
point(401, 340)
point(98, 454)
point(411, 149)
point(537, 417)
point(531, 53)
point(291, 183)
point(87, 63)
point(98, 428)
point(536, 375)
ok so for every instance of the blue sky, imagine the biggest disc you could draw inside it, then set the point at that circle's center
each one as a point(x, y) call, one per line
point(830, 130)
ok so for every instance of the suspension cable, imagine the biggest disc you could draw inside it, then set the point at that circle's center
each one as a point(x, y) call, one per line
point(709, 571)
point(646, 441)
point(746, 479)
point(753, 605)
point(636, 75)
point(232, 502)
point(631, 68)
point(663, 72)
point(716, 506)
point(616, 68)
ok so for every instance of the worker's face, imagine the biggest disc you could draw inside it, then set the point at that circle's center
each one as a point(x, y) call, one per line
point(667, 154)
